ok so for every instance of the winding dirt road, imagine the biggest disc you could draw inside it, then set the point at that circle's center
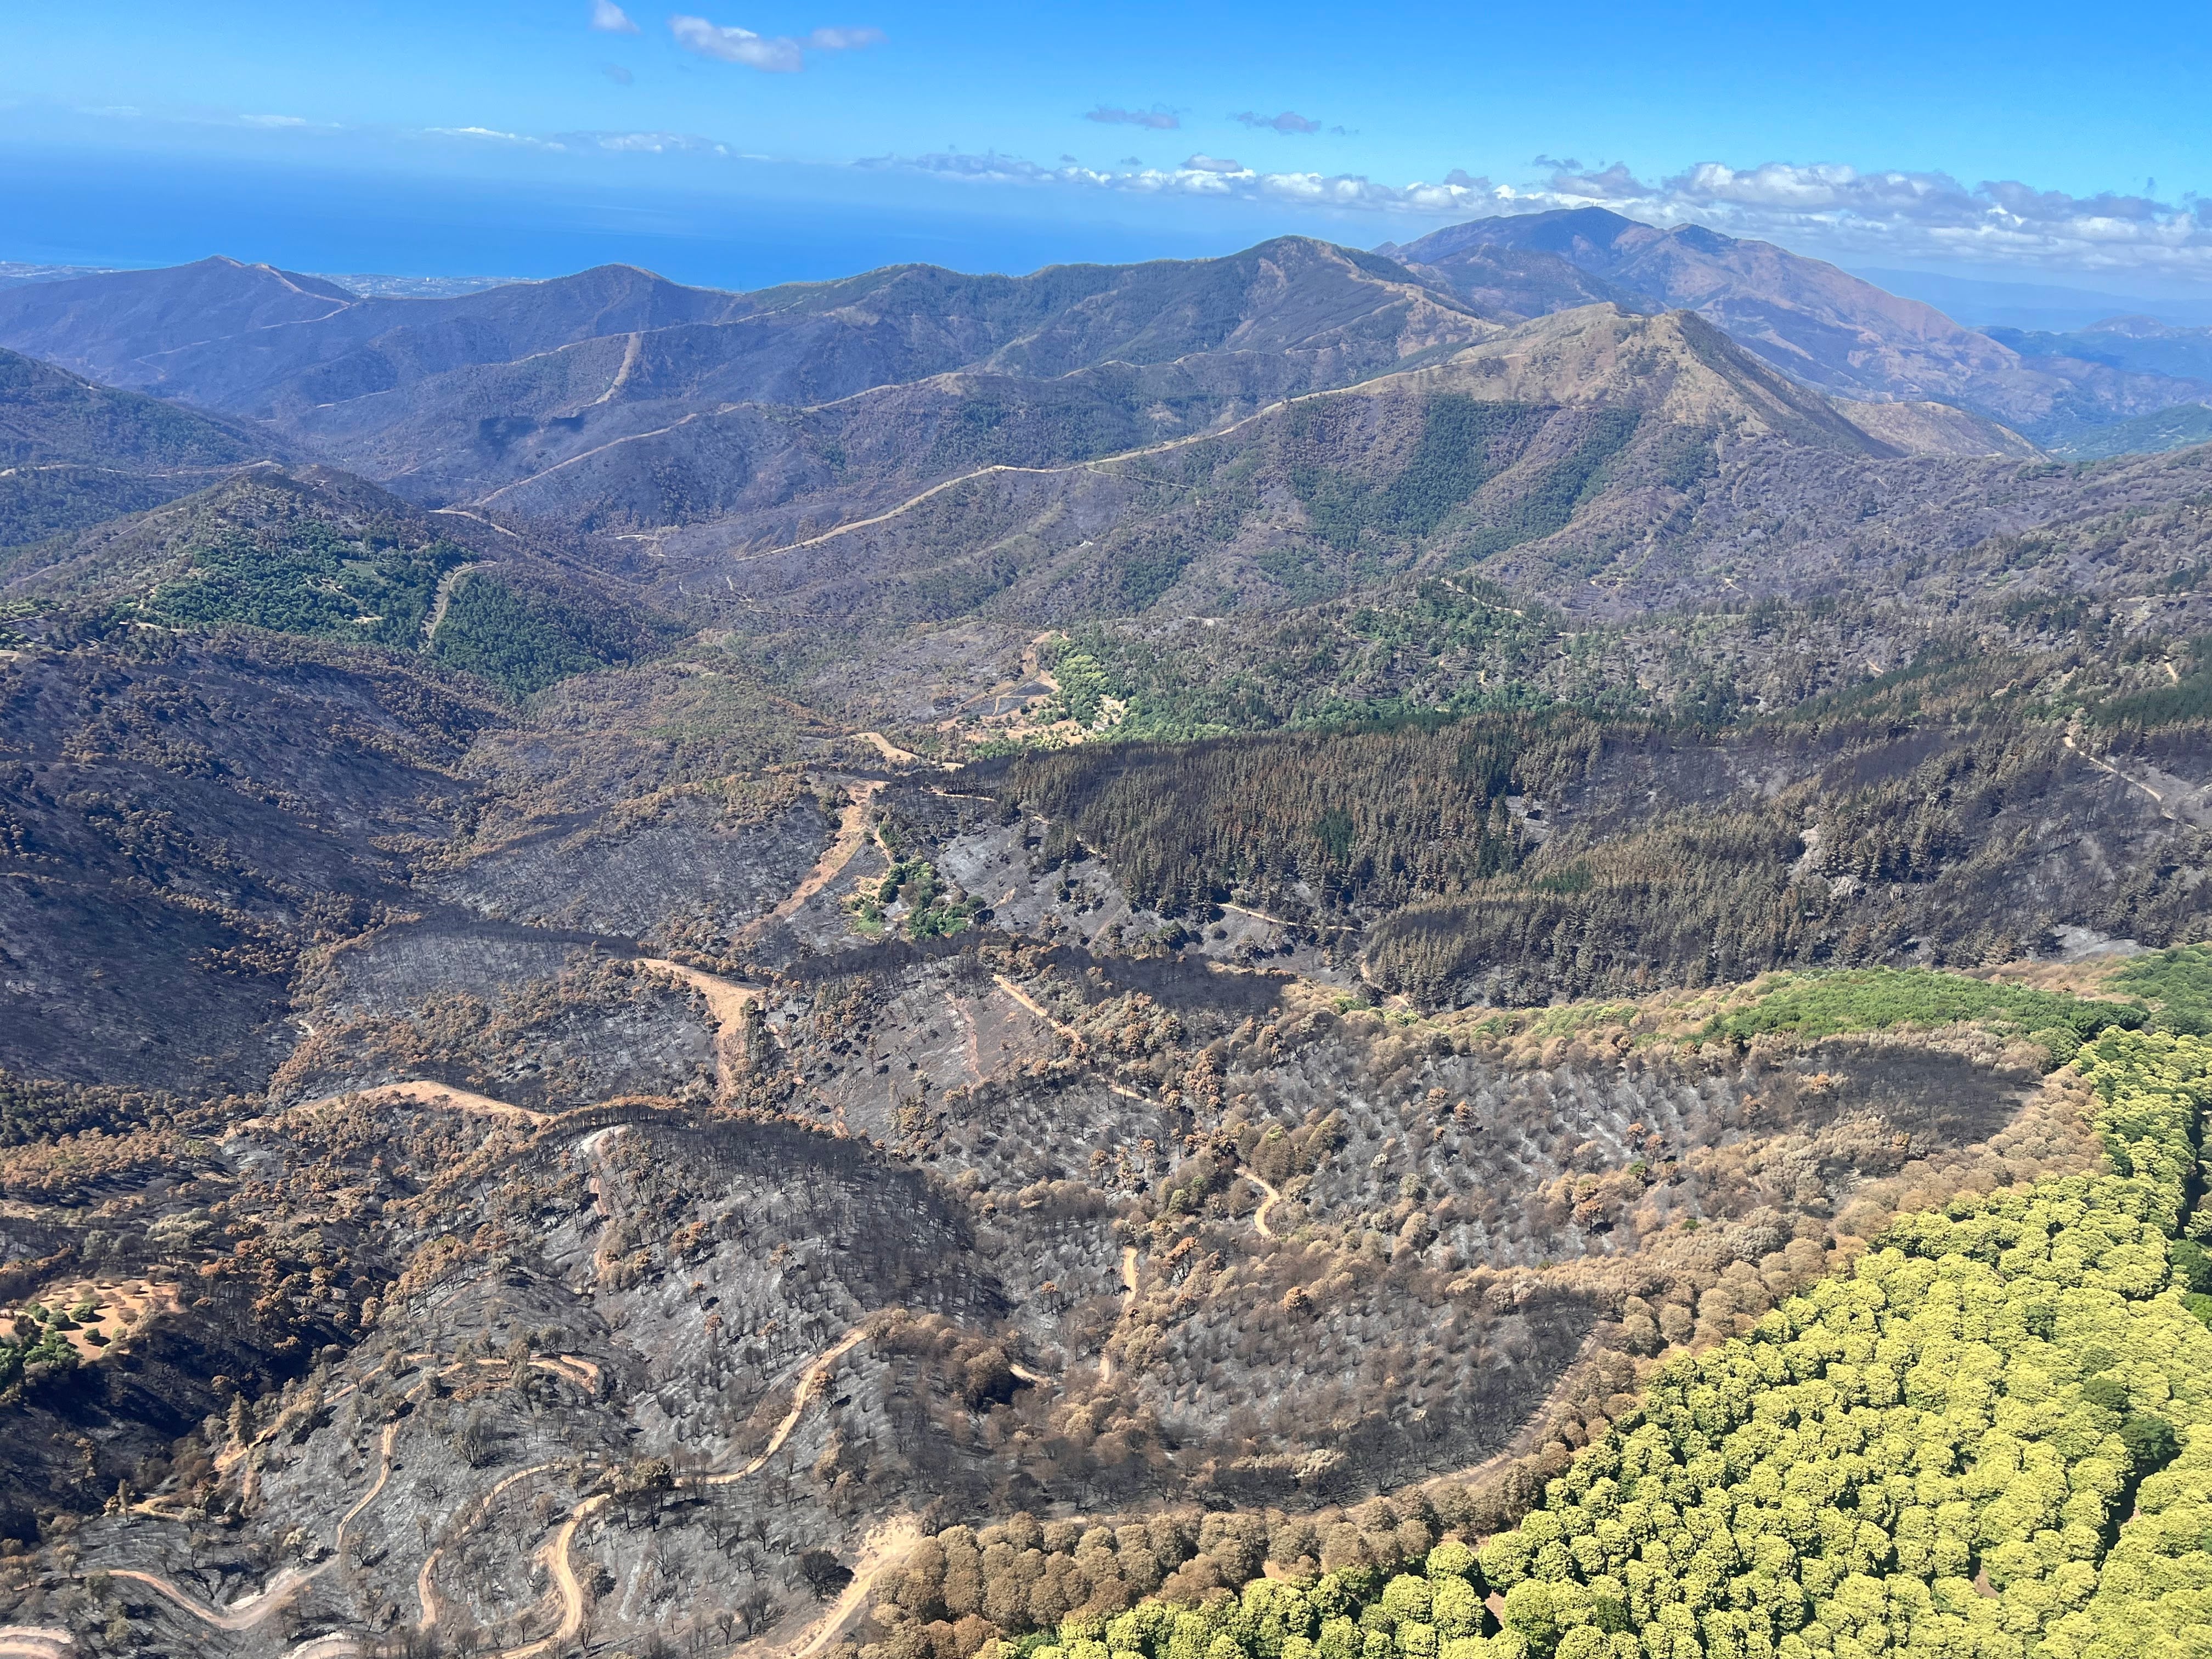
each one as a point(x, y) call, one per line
point(1256, 915)
point(1037, 1008)
point(443, 600)
point(811, 1383)
point(730, 1002)
point(2106, 766)
point(557, 1552)
point(602, 1260)
point(279, 1590)
point(727, 1000)
point(884, 1549)
point(883, 746)
point(852, 835)
point(1259, 1215)
point(1094, 463)
point(1128, 1301)
point(29, 1642)
point(426, 1589)
point(35, 1642)
point(566, 1584)
point(444, 1094)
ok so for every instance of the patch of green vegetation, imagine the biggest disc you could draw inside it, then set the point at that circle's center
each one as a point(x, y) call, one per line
point(1948, 676)
point(41, 1338)
point(37, 502)
point(1464, 614)
point(1083, 687)
point(1306, 579)
point(1989, 1439)
point(995, 426)
point(1026, 743)
point(2189, 698)
point(13, 611)
point(1684, 455)
point(958, 589)
point(1453, 460)
point(1142, 575)
point(1567, 1020)
point(1810, 1006)
point(520, 639)
point(1455, 457)
point(1316, 672)
point(1551, 500)
point(933, 908)
point(2178, 981)
point(309, 579)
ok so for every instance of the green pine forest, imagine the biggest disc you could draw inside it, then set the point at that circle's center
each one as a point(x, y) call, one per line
point(1990, 1439)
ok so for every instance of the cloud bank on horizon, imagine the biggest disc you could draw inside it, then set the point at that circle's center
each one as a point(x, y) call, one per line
point(1833, 210)
point(2007, 140)
point(1830, 208)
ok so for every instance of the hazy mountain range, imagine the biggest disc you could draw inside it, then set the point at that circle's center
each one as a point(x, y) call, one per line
point(1822, 325)
point(1577, 406)
point(464, 397)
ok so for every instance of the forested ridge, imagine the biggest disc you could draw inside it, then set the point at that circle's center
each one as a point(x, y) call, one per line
point(318, 556)
point(1519, 857)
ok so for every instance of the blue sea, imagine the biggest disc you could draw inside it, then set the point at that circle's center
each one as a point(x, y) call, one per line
point(79, 208)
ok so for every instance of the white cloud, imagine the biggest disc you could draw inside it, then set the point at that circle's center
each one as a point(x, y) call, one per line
point(492, 135)
point(1833, 211)
point(611, 19)
point(646, 143)
point(1838, 210)
point(276, 120)
point(779, 55)
point(775, 54)
point(1215, 176)
point(1289, 121)
point(1159, 120)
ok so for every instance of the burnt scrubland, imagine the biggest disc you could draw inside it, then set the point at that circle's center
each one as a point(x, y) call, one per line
point(1317, 954)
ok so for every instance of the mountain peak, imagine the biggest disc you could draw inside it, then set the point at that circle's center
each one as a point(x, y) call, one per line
point(1673, 363)
point(111, 324)
point(1816, 323)
point(1556, 231)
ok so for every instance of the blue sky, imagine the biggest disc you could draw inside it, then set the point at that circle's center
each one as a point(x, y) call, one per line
point(743, 143)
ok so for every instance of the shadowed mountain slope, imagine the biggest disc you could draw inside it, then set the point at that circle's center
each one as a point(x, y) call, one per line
point(72, 453)
point(120, 325)
point(214, 343)
point(235, 337)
